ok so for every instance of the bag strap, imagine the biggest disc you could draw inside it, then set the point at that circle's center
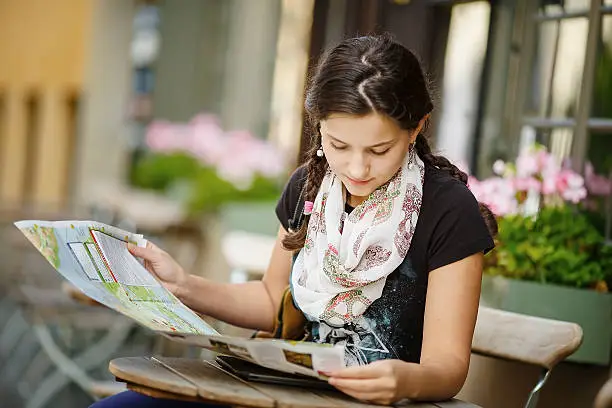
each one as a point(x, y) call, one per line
point(295, 222)
point(289, 324)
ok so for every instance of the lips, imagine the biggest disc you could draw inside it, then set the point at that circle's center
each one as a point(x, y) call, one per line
point(358, 182)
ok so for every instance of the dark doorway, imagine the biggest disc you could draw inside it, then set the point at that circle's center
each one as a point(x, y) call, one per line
point(421, 25)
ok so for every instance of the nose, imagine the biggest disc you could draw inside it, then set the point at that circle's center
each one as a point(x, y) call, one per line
point(359, 167)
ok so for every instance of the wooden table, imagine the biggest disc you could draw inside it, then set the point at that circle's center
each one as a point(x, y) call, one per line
point(203, 380)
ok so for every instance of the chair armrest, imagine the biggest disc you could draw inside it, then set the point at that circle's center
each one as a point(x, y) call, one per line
point(528, 339)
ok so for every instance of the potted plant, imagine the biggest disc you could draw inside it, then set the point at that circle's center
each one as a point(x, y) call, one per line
point(211, 171)
point(550, 259)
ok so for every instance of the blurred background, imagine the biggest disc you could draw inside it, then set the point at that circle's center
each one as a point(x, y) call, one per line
point(182, 119)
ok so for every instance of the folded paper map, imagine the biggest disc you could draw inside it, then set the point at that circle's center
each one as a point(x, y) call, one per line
point(94, 257)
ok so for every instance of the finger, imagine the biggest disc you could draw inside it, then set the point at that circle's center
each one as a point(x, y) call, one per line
point(360, 385)
point(365, 371)
point(148, 254)
point(153, 246)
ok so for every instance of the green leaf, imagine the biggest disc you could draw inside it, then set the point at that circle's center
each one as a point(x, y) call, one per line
point(200, 187)
point(559, 246)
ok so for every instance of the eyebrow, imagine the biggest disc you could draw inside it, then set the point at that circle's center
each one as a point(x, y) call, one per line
point(376, 145)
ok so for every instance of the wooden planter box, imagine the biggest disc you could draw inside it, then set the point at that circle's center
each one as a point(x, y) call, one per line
point(591, 310)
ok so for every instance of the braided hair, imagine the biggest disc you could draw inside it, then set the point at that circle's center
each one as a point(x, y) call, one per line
point(359, 76)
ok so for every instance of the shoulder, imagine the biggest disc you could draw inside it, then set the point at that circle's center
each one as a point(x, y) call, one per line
point(444, 192)
point(449, 208)
point(450, 221)
point(287, 205)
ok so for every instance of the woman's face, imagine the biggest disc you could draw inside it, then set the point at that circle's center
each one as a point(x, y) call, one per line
point(364, 151)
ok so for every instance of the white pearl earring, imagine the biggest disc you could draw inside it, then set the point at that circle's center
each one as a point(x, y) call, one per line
point(320, 152)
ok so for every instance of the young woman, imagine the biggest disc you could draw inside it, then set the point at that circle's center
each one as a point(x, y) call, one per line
point(390, 251)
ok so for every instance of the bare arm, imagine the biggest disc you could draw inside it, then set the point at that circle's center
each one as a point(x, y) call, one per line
point(451, 308)
point(250, 305)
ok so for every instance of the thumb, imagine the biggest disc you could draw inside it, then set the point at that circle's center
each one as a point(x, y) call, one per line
point(147, 254)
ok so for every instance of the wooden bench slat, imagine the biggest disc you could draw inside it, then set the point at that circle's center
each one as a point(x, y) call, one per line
point(216, 386)
point(287, 396)
point(295, 397)
point(140, 370)
point(162, 376)
point(102, 389)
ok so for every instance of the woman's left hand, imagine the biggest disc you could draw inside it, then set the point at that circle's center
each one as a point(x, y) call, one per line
point(377, 382)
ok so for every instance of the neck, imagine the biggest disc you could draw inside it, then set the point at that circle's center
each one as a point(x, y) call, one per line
point(354, 201)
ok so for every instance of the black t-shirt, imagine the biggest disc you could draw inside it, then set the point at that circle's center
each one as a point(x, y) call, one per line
point(450, 228)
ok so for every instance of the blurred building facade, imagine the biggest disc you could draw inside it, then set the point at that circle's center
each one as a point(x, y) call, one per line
point(503, 73)
point(62, 83)
point(41, 81)
point(77, 93)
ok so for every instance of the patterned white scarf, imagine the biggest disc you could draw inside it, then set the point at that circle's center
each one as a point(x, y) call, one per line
point(345, 261)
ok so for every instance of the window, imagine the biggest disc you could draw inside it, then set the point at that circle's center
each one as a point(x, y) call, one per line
point(558, 84)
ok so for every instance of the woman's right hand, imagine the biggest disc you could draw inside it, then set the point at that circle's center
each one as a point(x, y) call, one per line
point(161, 265)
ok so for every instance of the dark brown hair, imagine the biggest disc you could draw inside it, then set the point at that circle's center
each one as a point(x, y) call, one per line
point(371, 74)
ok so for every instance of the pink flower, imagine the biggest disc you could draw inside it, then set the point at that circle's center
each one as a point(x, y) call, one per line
point(549, 165)
point(238, 156)
point(543, 158)
point(550, 169)
point(537, 173)
point(527, 164)
point(568, 179)
point(596, 184)
point(270, 162)
point(206, 140)
point(472, 182)
point(570, 186)
point(527, 184)
point(549, 184)
point(165, 137)
point(575, 195)
point(496, 192)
